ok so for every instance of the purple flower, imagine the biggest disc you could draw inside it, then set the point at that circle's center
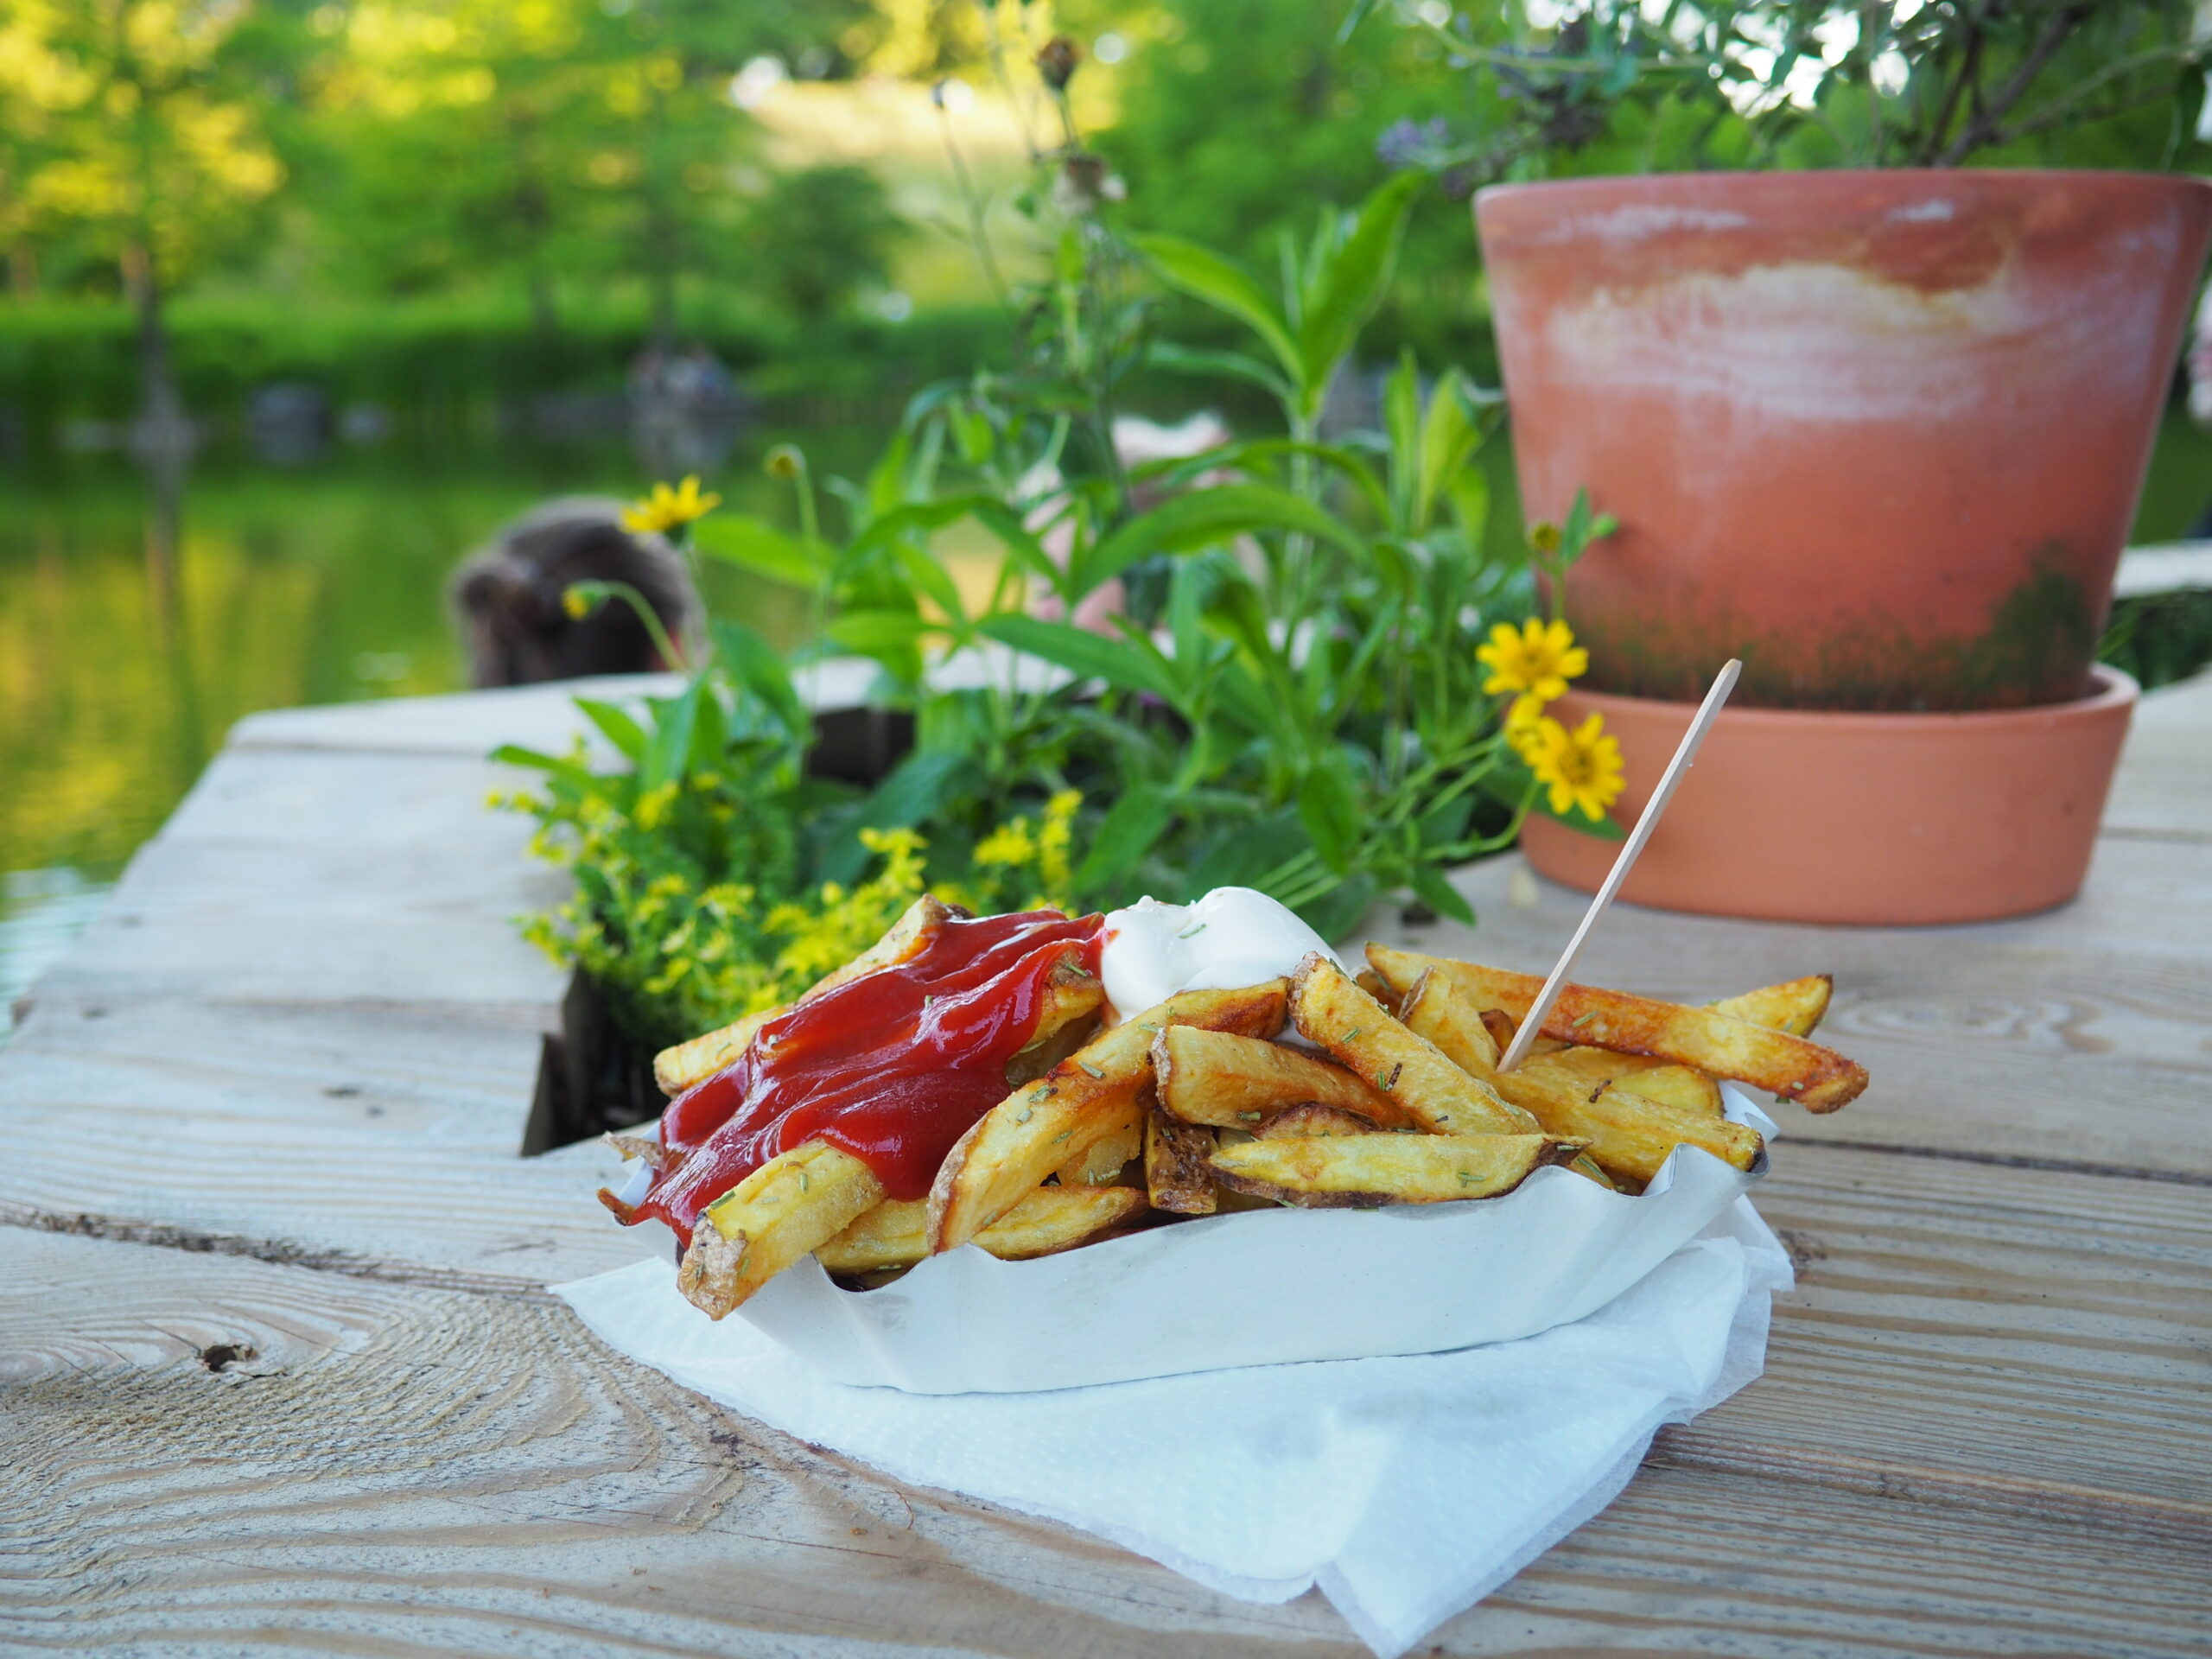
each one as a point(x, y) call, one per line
point(1407, 142)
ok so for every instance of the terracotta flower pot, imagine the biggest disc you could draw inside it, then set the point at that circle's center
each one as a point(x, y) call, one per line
point(1796, 815)
point(1879, 434)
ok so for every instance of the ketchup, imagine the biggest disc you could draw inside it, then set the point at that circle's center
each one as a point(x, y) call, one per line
point(892, 1067)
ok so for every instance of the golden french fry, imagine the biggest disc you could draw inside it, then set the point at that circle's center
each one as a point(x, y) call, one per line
point(1820, 1079)
point(1454, 1024)
point(1628, 1135)
point(1036, 1130)
point(1053, 1218)
point(1233, 1082)
point(1678, 1085)
point(1365, 1171)
point(784, 1210)
point(1066, 1020)
point(687, 1065)
point(1371, 981)
point(1331, 1011)
point(1315, 1119)
point(1177, 1174)
point(1796, 1006)
point(1100, 1162)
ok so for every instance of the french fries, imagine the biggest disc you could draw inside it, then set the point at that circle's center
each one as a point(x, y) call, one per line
point(1817, 1079)
point(1053, 1218)
point(1040, 1126)
point(1405, 1104)
point(1178, 1176)
point(1100, 1162)
point(1232, 1081)
point(1629, 1136)
point(794, 1203)
point(1314, 1120)
point(1366, 1171)
point(687, 1065)
point(1333, 1013)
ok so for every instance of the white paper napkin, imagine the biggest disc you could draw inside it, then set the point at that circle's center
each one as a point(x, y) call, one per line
point(1407, 1489)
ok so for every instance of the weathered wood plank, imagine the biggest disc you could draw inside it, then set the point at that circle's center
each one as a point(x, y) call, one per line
point(2164, 785)
point(402, 1470)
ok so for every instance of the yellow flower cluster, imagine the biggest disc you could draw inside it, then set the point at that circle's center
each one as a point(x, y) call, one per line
point(666, 509)
point(1579, 769)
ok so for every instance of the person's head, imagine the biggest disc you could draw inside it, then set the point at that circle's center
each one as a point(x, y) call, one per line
point(507, 597)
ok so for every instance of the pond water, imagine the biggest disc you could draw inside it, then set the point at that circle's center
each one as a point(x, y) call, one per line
point(131, 641)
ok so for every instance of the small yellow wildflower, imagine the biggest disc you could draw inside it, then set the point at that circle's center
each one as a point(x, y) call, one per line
point(665, 509)
point(578, 601)
point(1054, 839)
point(1581, 768)
point(1537, 659)
point(1010, 844)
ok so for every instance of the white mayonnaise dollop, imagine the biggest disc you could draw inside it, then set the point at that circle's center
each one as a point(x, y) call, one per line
point(1232, 936)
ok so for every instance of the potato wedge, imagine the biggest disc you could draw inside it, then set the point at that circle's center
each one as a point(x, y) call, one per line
point(1454, 1024)
point(1817, 1079)
point(1053, 1218)
point(1330, 1010)
point(1067, 1019)
point(1233, 1082)
point(784, 1210)
point(1796, 1006)
point(1371, 981)
point(1105, 1158)
point(1042, 1125)
point(1177, 1173)
point(1366, 1171)
point(1315, 1119)
point(687, 1065)
point(1678, 1085)
point(1591, 1170)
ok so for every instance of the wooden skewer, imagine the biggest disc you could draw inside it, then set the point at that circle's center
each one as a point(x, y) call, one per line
point(1532, 1023)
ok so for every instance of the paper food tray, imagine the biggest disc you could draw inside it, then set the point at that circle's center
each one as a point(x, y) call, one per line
point(1255, 1287)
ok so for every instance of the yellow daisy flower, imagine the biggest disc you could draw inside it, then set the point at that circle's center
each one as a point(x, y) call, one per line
point(665, 509)
point(1581, 768)
point(1536, 659)
point(1524, 718)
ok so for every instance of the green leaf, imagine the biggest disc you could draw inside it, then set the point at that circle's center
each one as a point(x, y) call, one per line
point(1086, 655)
point(511, 754)
point(1448, 437)
point(670, 744)
point(1352, 284)
point(1206, 517)
point(1604, 830)
point(1214, 281)
point(759, 668)
point(1337, 911)
point(1328, 805)
point(1401, 423)
point(934, 581)
point(755, 545)
point(617, 727)
point(1127, 833)
point(709, 734)
point(1235, 366)
point(1432, 889)
point(872, 632)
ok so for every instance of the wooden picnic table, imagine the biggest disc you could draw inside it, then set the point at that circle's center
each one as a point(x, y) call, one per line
point(278, 1370)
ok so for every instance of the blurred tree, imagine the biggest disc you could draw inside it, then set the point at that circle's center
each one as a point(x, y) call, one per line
point(133, 139)
point(821, 235)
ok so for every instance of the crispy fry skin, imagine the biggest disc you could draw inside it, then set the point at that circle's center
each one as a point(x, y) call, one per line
point(1073, 995)
point(1819, 1079)
point(1366, 1171)
point(1099, 1163)
point(1629, 1135)
point(1053, 1218)
point(1315, 1119)
point(1443, 1098)
point(689, 1063)
point(782, 1211)
point(1454, 1024)
point(1040, 1126)
point(1678, 1085)
point(1796, 1006)
point(1177, 1175)
point(1232, 1081)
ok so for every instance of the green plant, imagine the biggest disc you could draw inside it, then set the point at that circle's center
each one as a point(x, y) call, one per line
point(1625, 86)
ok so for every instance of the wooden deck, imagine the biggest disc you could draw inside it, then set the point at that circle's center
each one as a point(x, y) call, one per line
point(277, 1371)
